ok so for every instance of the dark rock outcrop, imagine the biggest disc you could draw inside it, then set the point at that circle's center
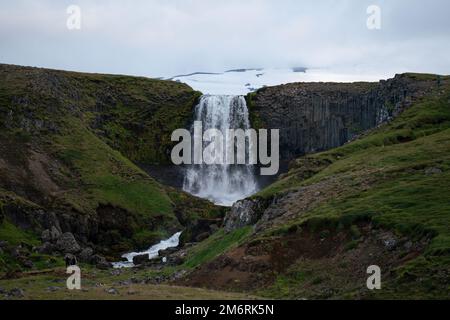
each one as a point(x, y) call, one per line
point(141, 259)
point(30, 217)
point(314, 117)
point(175, 259)
point(199, 229)
point(46, 248)
point(100, 262)
point(50, 235)
point(243, 213)
point(168, 251)
point(86, 255)
point(66, 243)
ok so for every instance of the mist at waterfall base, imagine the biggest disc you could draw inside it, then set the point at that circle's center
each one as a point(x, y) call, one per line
point(223, 184)
point(152, 252)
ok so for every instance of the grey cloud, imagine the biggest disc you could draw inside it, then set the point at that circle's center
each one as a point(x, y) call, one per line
point(163, 38)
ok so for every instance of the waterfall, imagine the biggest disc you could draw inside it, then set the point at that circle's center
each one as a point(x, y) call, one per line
point(223, 184)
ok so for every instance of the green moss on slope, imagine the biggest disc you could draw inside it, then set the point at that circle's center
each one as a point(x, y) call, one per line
point(216, 245)
point(107, 176)
point(397, 177)
point(255, 120)
point(73, 139)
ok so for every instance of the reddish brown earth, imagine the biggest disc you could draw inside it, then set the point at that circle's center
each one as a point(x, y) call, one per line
point(256, 265)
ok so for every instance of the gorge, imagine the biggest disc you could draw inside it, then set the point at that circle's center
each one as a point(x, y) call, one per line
point(85, 169)
point(312, 117)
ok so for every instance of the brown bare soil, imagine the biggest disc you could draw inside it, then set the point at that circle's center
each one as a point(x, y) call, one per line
point(256, 265)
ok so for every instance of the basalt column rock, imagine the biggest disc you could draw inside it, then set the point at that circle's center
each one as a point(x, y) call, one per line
point(314, 117)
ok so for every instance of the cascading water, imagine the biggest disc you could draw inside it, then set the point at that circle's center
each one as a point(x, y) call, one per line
point(223, 184)
point(152, 252)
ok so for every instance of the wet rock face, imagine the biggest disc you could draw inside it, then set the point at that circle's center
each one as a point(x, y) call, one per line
point(243, 213)
point(314, 117)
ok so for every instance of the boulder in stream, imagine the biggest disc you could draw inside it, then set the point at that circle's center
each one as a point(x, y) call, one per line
point(141, 259)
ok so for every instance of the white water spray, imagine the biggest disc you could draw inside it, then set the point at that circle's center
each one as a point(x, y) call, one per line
point(223, 184)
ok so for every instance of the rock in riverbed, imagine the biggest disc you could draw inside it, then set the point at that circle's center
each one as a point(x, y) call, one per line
point(141, 259)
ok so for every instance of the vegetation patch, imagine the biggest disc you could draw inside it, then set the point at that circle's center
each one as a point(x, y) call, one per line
point(393, 178)
point(215, 245)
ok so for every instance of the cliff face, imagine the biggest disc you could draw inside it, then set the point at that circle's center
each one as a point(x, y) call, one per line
point(314, 117)
point(379, 200)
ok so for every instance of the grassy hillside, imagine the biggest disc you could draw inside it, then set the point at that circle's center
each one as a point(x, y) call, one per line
point(68, 143)
point(383, 199)
point(396, 178)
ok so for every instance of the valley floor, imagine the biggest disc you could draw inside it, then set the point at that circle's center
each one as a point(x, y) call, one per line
point(381, 200)
point(105, 285)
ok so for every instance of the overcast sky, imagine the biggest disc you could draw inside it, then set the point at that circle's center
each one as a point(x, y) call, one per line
point(170, 37)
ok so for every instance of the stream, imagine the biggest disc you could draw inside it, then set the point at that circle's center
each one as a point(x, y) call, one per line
point(152, 252)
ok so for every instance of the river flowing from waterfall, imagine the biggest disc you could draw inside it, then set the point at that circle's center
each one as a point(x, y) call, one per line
point(223, 184)
point(152, 252)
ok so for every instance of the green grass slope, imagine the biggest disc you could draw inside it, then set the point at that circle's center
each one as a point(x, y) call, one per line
point(382, 199)
point(68, 143)
point(396, 178)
